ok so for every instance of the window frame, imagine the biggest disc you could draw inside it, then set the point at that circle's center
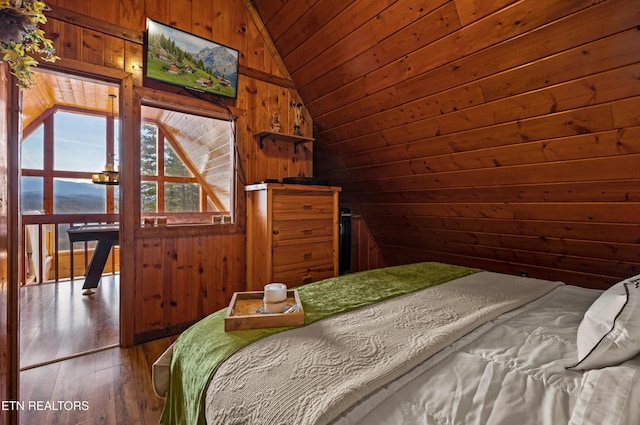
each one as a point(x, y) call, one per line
point(214, 109)
point(49, 173)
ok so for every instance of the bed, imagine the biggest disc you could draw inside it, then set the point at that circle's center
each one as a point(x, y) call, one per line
point(425, 343)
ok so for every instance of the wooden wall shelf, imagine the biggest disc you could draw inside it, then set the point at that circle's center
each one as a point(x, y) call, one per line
point(284, 137)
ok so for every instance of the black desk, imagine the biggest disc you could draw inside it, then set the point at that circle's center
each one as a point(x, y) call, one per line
point(107, 235)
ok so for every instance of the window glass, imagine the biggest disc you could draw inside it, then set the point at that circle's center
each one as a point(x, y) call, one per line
point(181, 197)
point(75, 133)
point(31, 194)
point(173, 165)
point(116, 140)
point(148, 149)
point(185, 163)
point(116, 199)
point(74, 196)
point(32, 155)
point(148, 197)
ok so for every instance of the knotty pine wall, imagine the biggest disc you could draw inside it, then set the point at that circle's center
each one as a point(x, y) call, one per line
point(503, 135)
point(180, 276)
point(8, 259)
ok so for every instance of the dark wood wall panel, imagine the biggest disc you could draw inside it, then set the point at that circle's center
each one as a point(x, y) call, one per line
point(503, 135)
point(365, 254)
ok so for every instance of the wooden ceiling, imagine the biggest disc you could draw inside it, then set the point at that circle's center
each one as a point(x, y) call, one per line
point(52, 89)
point(466, 130)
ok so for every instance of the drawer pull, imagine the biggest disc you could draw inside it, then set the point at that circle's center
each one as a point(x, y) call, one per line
point(308, 255)
point(307, 206)
point(307, 231)
point(276, 232)
point(307, 279)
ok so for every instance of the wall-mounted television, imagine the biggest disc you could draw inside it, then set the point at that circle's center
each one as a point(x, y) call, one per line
point(176, 57)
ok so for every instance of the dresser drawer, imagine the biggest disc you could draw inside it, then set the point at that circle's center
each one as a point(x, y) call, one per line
point(302, 231)
point(297, 207)
point(298, 277)
point(302, 255)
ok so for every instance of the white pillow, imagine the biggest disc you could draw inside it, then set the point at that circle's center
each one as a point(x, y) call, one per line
point(609, 332)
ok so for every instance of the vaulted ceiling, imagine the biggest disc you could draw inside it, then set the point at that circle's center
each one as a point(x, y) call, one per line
point(469, 131)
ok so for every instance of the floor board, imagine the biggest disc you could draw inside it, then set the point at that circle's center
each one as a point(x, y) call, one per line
point(57, 320)
point(109, 386)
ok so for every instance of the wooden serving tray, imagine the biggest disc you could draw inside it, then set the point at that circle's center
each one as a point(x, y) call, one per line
point(242, 312)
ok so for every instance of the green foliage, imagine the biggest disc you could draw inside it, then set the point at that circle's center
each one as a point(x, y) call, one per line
point(20, 37)
point(178, 197)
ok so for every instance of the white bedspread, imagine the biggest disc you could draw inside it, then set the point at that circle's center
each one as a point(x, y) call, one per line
point(310, 375)
point(511, 371)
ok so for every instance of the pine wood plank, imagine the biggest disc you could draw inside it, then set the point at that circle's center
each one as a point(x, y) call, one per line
point(469, 40)
point(473, 10)
point(93, 46)
point(625, 112)
point(620, 233)
point(593, 145)
point(421, 24)
point(202, 12)
point(290, 11)
point(317, 15)
point(156, 9)
point(150, 298)
point(601, 55)
point(602, 20)
point(586, 212)
point(617, 168)
point(352, 17)
point(130, 16)
point(583, 191)
point(105, 11)
point(549, 273)
point(594, 89)
point(623, 259)
point(407, 142)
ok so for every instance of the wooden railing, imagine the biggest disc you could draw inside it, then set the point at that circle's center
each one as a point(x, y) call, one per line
point(49, 256)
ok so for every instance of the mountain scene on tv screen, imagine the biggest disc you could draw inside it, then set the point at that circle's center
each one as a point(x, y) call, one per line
point(211, 69)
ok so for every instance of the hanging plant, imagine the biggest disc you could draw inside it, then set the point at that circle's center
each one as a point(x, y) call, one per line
point(20, 37)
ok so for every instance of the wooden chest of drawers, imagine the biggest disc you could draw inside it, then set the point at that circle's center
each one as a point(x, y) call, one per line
point(292, 234)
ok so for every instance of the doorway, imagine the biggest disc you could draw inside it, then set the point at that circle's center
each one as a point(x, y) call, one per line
point(70, 133)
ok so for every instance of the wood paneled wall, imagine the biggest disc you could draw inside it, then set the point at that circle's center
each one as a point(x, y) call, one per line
point(502, 134)
point(9, 224)
point(180, 276)
point(365, 254)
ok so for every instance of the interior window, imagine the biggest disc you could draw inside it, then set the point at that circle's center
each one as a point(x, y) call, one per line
point(185, 165)
point(80, 145)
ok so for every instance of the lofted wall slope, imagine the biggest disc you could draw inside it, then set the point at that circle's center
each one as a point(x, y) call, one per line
point(502, 134)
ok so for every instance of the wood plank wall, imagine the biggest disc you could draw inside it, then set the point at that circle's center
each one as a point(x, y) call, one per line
point(5, 319)
point(365, 254)
point(182, 276)
point(502, 134)
point(9, 223)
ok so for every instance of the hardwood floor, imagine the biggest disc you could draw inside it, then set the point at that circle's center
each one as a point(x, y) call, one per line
point(57, 321)
point(71, 372)
point(108, 387)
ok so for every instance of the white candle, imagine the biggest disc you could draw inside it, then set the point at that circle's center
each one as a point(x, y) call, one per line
point(275, 297)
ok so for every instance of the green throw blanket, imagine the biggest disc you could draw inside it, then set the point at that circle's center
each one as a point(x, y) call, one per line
point(203, 347)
